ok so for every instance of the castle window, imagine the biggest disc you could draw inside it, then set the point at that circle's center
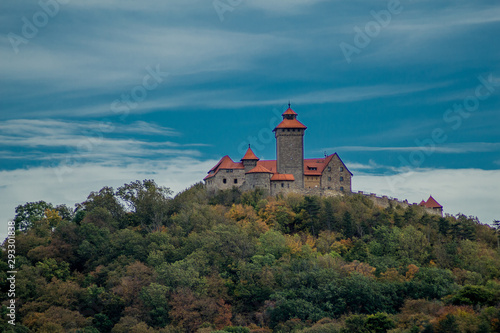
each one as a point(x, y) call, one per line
point(341, 169)
point(282, 185)
point(341, 178)
point(329, 179)
point(342, 188)
point(329, 168)
point(329, 187)
point(288, 185)
point(235, 181)
point(274, 185)
point(224, 180)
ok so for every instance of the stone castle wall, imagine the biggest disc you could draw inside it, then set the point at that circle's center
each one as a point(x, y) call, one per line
point(385, 201)
point(335, 176)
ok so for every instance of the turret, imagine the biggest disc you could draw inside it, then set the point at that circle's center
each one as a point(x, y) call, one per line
point(249, 160)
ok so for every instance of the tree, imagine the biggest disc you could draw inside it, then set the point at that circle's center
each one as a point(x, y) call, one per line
point(379, 323)
point(107, 200)
point(496, 226)
point(148, 201)
point(30, 213)
point(155, 298)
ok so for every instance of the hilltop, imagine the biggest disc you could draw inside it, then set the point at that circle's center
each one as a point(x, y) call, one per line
point(136, 259)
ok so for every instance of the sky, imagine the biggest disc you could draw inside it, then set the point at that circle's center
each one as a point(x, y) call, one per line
point(98, 93)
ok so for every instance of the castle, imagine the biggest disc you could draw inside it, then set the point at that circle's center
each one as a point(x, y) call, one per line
point(290, 172)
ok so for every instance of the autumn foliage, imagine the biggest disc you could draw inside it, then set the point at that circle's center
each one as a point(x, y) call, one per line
point(136, 259)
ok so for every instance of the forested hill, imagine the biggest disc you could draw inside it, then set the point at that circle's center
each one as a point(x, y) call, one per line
point(136, 260)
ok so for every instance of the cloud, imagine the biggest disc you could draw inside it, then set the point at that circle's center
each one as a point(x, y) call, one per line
point(26, 185)
point(280, 7)
point(468, 191)
point(459, 148)
point(54, 141)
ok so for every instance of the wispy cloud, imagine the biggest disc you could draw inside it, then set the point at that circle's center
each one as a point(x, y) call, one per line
point(88, 141)
point(468, 191)
point(459, 148)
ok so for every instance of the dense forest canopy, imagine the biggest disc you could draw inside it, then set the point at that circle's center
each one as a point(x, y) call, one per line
point(136, 259)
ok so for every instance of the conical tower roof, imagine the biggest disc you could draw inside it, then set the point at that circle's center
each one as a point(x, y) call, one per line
point(249, 155)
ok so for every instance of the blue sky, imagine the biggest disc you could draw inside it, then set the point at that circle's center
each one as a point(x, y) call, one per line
point(104, 92)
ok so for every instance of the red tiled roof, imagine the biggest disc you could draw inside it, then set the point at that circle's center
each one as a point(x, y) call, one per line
point(289, 111)
point(422, 203)
point(282, 176)
point(269, 165)
point(225, 163)
point(290, 123)
point(316, 163)
point(209, 176)
point(432, 203)
point(249, 155)
point(259, 169)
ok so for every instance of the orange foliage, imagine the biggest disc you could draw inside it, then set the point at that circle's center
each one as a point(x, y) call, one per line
point(247, 219)
point(359, 267)
point(412, 270)
point(136, 276)
point(189, 311)
point(392, 275)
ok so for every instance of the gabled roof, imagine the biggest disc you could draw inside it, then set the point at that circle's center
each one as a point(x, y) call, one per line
point(432, 203)
point(316, 163)
point(225, 163)
point(290, 123)
point(259, 169)
point(282, 176)
point(249, 155)
point(320, 165)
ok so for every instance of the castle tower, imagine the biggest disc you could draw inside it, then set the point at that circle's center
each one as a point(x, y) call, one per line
point(249, 160)
point(290, 147)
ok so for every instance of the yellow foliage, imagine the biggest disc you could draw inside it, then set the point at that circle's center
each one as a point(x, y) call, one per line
point(412, 270)
point(310, 241)
point(247, 219)
point(294, 243)
point(343, 246)
point(392, 275)
point(359, 267)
